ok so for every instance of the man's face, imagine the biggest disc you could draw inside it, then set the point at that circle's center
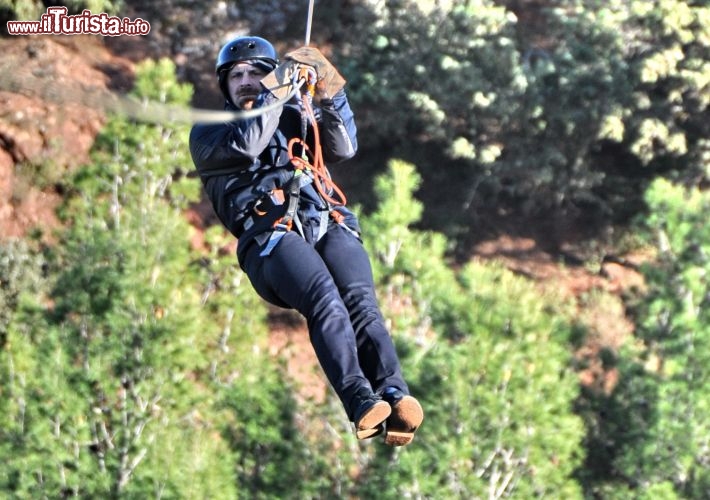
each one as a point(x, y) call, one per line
point(243, 84)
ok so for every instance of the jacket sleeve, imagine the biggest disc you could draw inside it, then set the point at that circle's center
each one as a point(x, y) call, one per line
point(225, 147)
point(338, 130)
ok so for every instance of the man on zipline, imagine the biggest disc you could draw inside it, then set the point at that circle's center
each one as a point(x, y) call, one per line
point(298, 243)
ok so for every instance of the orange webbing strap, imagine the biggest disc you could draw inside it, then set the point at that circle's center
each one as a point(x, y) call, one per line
point(321, 177)
point(294, 193)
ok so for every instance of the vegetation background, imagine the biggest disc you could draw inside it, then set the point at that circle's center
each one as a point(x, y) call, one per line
point(136, 362)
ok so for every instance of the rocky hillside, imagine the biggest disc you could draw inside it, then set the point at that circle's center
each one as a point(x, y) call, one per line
point(44, 120)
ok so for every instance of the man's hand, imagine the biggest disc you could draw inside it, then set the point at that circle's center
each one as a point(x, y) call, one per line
point(329, 80)
point(278, 82)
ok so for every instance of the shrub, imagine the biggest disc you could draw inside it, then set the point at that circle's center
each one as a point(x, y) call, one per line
point(651, 433)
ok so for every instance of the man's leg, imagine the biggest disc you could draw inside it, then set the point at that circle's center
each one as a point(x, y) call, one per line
point(350, 267)
point(294, 275)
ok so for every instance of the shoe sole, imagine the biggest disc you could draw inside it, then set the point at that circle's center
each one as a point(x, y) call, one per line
point(371, 423)
point(407, 416)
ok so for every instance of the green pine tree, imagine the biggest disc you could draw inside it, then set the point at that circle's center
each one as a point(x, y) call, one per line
point(489, 358)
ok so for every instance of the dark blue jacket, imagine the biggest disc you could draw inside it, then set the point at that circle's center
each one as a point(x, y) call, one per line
point(243, 161)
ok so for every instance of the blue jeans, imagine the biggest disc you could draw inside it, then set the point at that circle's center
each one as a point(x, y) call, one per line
point(330, 283)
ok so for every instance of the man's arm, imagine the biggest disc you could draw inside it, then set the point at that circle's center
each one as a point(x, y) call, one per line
point(222, 148)
point(338, 130)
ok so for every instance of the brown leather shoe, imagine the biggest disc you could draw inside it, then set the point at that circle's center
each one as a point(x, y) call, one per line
point(370, 414)
point(407, 415)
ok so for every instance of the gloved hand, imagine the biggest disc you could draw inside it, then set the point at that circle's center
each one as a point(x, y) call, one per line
point(326, 72)
point(278, 82)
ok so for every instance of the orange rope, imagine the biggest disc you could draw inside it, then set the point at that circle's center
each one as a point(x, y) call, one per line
point(321, 177)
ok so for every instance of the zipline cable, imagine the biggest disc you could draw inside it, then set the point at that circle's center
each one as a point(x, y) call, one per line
point(309, 22)
point(141, 110)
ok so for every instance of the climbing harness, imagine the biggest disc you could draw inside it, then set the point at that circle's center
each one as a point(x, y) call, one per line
point(309, 167)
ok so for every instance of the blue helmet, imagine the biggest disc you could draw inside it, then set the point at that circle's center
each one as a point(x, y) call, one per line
point(251, 49)
point(246, 48)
